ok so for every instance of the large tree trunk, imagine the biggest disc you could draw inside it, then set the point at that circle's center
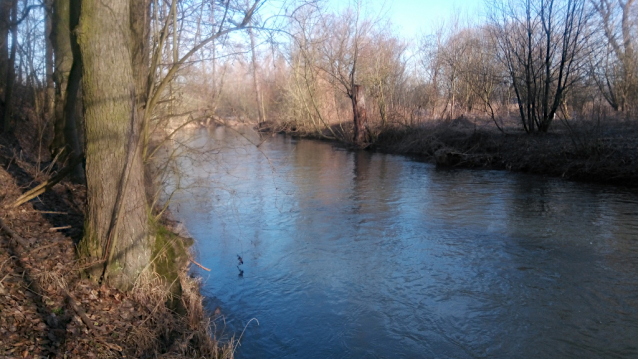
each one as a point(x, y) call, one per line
point(117, 208)
point(140, 17)
point(359, 111)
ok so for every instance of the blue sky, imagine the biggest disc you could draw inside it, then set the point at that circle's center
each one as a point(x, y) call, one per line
point(413, 16)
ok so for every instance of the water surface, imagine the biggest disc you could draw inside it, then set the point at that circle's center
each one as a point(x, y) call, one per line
point(355, 254)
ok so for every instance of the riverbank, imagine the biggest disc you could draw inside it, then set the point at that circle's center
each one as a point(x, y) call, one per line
point(48, 310)
point(581, 151)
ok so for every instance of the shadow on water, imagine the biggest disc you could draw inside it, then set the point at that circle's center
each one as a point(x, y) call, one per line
point(358, 254)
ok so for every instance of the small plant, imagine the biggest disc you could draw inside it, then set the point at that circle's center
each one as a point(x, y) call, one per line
point(58, 311)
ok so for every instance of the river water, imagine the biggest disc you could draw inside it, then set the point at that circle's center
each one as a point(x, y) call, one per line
point(366, 255)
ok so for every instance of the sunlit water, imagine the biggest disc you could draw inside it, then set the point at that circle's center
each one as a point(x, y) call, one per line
point(356, 254)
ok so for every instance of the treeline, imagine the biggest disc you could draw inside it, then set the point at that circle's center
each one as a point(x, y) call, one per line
point(525, 62)
point(532, 61)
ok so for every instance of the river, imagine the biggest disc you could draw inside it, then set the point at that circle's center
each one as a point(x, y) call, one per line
point(367, 255)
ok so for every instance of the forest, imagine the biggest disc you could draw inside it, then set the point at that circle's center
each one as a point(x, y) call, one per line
point(91, 91)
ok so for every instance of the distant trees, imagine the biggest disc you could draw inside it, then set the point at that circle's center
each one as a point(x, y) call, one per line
point(542, 44)
point(527, 56)
point(614, 63)
point(342, 40)
point(535, 54)
point(338, 56)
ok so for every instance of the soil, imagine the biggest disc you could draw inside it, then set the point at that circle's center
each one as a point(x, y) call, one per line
point(42, 293)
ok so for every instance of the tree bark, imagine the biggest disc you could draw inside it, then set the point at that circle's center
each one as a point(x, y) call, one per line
point(10, 74)
point(50, 91)
point(140, 18)
point(139, 46)
point(71, 139)
point(116, 218)
point(61, 40)
point(360, 118)
point(5, 20)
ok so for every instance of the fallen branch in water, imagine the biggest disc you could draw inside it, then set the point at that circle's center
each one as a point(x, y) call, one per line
point(199, 265)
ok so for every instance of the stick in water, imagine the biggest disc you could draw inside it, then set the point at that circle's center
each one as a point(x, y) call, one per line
point(200, 266)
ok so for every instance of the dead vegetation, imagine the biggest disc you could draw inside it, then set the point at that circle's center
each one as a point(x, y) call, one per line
point(592, 151)
point(48, 310)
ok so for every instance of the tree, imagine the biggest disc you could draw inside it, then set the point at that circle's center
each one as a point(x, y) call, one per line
point(10, 63)
point(256, 82)
point(349, 36)
point(616, 66)
point(67, 77)
point(332, 47)
point(61, 41)
point(116, 220)
point(541, 42)
point(120, 93)
point(5, 25)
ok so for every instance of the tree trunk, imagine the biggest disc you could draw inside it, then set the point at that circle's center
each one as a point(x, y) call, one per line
point(117, 210)
point(61, 40)
point(71, 139)
point(359, 110)
point(10, 79)
point(139, 46)
point(5, 20)
point(256, 88)
point(140, 18)
point(50, 90)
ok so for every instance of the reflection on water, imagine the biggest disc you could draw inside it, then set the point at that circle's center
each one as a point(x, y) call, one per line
point(353, 254)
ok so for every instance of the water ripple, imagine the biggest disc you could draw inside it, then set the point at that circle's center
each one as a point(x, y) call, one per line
point(369, 255)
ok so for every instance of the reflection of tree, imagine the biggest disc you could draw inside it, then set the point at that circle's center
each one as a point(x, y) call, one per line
point(362, 161)
point(549, 209)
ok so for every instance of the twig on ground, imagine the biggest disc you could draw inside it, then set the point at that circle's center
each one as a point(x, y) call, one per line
point(53, 229)
point(44, 247)
point(50, 212)
point(79, 310)
point(13, 235)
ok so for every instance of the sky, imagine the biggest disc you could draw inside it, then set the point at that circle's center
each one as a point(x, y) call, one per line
point(412, 17)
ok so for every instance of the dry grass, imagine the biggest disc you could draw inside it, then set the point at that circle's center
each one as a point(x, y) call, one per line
point(36, 276)
point(175, 335)
point(593, 149)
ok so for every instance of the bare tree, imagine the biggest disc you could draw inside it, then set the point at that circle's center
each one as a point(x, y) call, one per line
point(541, 42)
point(333, 47)
point(10, 68)
point(615, 68)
